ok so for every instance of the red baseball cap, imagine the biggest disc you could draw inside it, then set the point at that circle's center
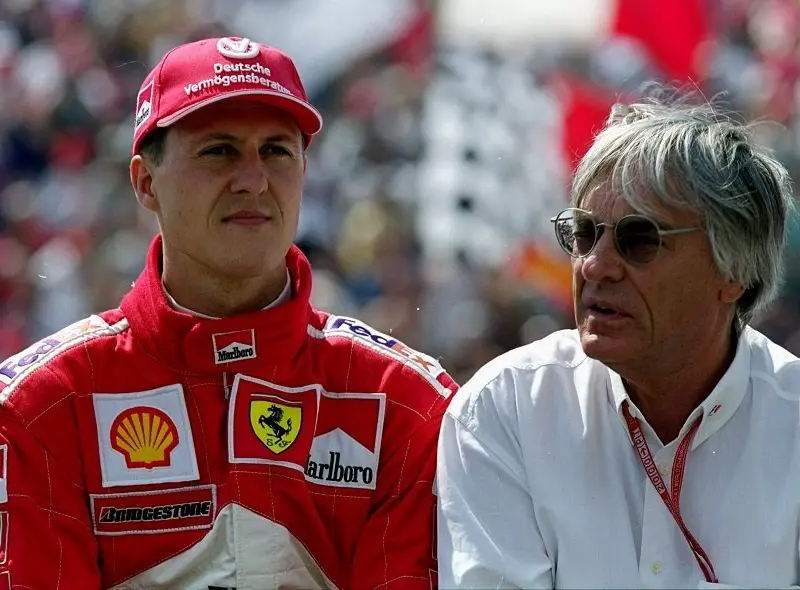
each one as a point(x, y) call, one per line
point(196, 74)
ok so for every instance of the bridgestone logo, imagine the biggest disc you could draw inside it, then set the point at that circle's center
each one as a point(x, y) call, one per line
point(168, 512)
point(224, 356)
point(335, 471)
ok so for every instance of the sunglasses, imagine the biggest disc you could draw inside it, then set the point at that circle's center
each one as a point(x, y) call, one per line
point(637, 237)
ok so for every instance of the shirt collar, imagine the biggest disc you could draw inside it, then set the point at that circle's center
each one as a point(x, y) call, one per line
point(716, 409)
point(282, 298)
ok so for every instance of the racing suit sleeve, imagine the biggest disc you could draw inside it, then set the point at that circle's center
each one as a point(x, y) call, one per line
point(488, 536)
point(396, 549)
point(46, 539)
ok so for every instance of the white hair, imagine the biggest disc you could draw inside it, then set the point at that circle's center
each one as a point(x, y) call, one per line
point(697, 158)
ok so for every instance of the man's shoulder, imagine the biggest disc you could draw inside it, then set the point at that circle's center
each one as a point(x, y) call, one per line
point(356, 357)
point(382, 352)
point(46, 359)
point(772, 366)
point(561, 349)
point(524, 370)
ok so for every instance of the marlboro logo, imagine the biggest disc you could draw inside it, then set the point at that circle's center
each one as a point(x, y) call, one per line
point(346, 446)
point(334, 470)
point(234, 346)
point(144, 105)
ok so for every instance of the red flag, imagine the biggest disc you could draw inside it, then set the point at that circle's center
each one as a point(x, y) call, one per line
point(413, 46)
point(673, 31)
point(586, 107)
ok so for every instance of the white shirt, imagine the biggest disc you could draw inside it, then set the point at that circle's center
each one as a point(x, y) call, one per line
point(540, 486)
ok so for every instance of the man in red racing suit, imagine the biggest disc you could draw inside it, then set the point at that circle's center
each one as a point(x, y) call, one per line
point(283, 447)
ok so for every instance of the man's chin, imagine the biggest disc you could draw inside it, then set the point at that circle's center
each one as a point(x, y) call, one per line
point(603, 348)
point(253, 262)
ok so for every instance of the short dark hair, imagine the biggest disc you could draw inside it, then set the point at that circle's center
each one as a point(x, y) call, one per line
point(153, 145)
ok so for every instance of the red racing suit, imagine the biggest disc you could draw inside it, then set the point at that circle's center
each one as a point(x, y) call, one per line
point(288, 448)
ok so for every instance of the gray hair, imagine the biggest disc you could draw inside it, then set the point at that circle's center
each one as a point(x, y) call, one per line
point(695, 157)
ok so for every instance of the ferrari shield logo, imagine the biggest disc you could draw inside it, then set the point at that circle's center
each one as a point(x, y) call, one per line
point(271, 424)
point(275, 424)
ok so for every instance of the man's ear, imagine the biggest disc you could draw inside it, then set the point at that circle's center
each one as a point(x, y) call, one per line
point(142, 181)
point(731, 292)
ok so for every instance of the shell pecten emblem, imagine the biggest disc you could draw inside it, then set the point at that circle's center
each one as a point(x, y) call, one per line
point(145, 436)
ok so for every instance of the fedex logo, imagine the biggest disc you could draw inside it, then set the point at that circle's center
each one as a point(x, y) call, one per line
point(26, 360)
point(234, 346)
point(352, 326)
point(15, 364)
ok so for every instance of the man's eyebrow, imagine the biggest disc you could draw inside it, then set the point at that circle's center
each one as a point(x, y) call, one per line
point(216, 136)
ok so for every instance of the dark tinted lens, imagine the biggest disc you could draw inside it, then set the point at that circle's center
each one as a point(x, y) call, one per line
point(638, 239)
point(575, 234)
point(584, 233)
point(564, 232)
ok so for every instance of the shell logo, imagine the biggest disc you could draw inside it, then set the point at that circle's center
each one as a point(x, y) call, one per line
point(145, 436)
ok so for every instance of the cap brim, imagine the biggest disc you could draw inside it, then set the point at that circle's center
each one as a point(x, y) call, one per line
point(308, 118)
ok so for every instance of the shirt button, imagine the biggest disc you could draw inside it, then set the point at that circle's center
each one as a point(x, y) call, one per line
point(658, 567)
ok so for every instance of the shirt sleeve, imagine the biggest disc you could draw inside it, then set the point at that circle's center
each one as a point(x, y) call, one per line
point(46, 538)
point(396, 549)
point(488, 536)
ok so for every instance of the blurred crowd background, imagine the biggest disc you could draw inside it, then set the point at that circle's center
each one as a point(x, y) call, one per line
point(451, 129)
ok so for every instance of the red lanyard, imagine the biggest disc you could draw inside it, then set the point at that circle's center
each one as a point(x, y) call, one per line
point(673, 500)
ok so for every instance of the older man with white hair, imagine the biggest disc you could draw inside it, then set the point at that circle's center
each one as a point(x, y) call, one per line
point(657, 445)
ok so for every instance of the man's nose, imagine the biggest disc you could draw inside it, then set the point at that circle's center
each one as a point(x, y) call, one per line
point(604, 262)
point(251, 174)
